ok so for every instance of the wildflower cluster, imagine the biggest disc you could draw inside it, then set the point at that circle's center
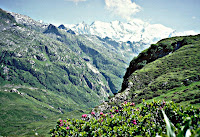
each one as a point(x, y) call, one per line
point(127, 120)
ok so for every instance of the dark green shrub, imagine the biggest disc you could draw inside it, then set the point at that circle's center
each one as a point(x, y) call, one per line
point(127, 120)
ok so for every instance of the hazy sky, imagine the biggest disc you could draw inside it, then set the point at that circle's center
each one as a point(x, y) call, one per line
point(180, 15)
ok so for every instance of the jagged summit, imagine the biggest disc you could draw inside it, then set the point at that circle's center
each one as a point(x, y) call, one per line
point(52, 29)
point(61, 26)
point(133, 31)
point(71, 31)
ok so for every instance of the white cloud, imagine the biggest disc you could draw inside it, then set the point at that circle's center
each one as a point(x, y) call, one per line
point(76, 1)
point(185, 33)
point(123, 8)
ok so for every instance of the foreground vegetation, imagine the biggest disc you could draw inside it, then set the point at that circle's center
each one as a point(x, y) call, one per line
point(128, 120)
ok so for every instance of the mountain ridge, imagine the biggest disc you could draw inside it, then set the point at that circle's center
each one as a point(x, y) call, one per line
point(136, 31)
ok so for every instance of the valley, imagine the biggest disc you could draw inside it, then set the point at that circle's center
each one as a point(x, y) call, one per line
point(46, 71)
point(49, 72)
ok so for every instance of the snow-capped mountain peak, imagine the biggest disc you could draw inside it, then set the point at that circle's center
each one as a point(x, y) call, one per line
point(136, 30)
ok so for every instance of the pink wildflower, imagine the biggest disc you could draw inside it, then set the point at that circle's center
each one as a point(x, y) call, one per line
point(65, 121)
point(125, 102)
point(132, 104)
point(111, 116)
point(84, 115)
point(92, 113)
point(116, 111)
point(134, 123)
point(67, 127)
point(100, 120)
point(101, 113)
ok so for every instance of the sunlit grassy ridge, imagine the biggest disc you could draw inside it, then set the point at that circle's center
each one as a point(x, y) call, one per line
point(174, 77)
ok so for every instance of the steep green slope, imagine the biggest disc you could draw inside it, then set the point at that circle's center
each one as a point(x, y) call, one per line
point(175, 76)
point(167, 70)
point(41, 77)
point(91, 50)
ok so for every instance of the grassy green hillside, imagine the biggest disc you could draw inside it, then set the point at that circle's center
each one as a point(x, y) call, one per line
point(19, 111)
point(167, 70)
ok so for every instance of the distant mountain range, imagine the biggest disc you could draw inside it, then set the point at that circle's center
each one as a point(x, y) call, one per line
point(134, 31)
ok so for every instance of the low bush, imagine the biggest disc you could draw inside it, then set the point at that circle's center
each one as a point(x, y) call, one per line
point(128, 120)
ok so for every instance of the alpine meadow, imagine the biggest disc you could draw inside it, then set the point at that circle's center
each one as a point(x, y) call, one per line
point(118, 79)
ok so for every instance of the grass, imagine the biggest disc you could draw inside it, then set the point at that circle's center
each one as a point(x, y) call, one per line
point(173, 77)
point(183, 95)
point(35, 110)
